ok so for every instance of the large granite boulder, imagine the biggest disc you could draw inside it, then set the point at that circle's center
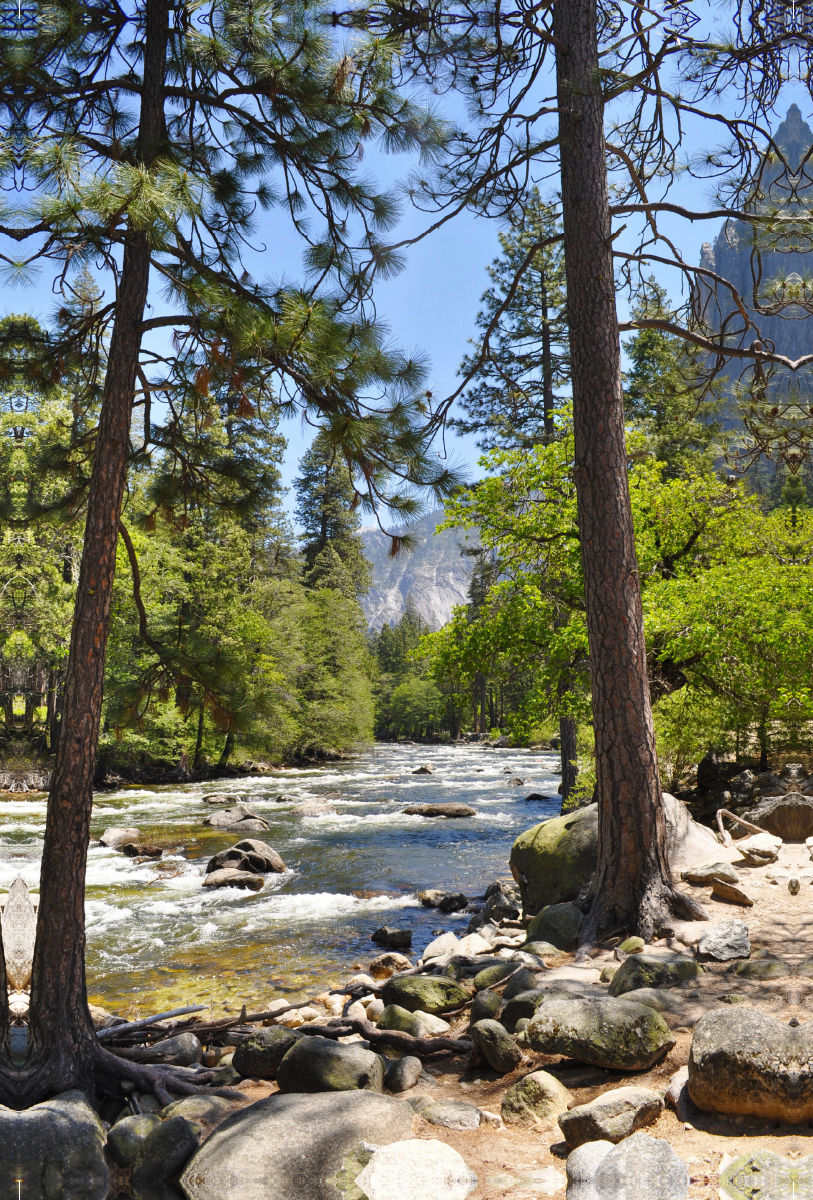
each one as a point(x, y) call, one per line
point(416, 1170)
point(125, 1138)
point(603, 1033)
point(57, 1147)
point(535, 1100)
point(259, 1055)
point(748, 1063)
point(654, 971)
point(293, 1147)
point(418, 1024)
point(318, 1064)
point(789, 817)
point(611, 1117)
point(724, 941)
point(429, 993)
point(553, 861)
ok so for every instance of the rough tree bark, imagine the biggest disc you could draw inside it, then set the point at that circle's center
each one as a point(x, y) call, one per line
point(568, 754)
point(633, 886)
point(62, 1047)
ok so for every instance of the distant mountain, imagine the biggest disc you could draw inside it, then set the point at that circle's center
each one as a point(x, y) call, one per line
point(434, 574)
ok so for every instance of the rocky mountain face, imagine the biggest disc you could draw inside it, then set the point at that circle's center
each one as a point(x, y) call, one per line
point(434, 574)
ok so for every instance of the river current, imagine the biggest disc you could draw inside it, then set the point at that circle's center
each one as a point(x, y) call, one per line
point(157, 939)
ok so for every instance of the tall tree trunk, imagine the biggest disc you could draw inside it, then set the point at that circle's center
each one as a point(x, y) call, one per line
point(568, 752)
point(227, 749)
point(547, 364)
point(61, 1041)
point(632, 886)
point(197, 760)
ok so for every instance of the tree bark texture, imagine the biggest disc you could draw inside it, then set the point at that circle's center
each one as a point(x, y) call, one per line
point(633, 886)
point(62, 1044)
point(568, 754)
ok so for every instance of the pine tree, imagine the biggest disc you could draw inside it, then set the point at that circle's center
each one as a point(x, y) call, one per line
point(522, 360)
point(326, 501)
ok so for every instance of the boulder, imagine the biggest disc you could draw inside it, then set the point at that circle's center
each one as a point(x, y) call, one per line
point(229, 877)
point(485, 1006)
point(708, 872)
point(553, 861)
point(318, 1064)
point(444, 809)
point(294, 1146)
point(218, 798)
point(640, 1168)
point(230, 817)
point(403, 1073)
point(386, 964)
point(259, 1055)
point(471, 945)
point(724, 940)
point(491, 975)
point(418, 1024)
point(522, 1007)
point(558, 924)
point(125, 1138)
point(432, 993)
point(747, 1063)
point(582, 1165)
point(535, 1100)
point(394, 939)
point(603, 1033)
point(182, 1050)
point(789, 817)
point(611, 1117)
point(497, 1047)
point(442, 946)
point(654, 971)
point(760, 848)
point(161, 1158)
point(117, 835)
point(314, 808)
point(761, 1173)
point(762, 968)
point(730, 892)
point(522, 979)
point(204, 1110)
point(416, 1170)
point(426, 769)
point(57, 1147)
point(447, 902)
point(248, 855)
point(452, 1114)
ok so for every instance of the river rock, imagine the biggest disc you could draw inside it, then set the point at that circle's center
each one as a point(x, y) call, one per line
point(433, 994)
point(314, 808)
point(426, 769)
point(472, 944)
point(724, 941)
point(294, 1147)
point(444, 809)
point(386, 964)
point(318, 1064)
point(403, 1073)
point(535, 1100)
point(218, 798)
point(229, 877)
point(640, 1168)
point(248, 855)
point(57, 1147)
point(582, 1165)
point(259, 1056)
point(452, 1114)
point(558, 924)
point(708, 872)
point(418, 1024)
point(231, 817)
point(117, 835)
point(497, 1047)
point(730, 892)
point(748, 1063)
point(523, 979)
point(182, 1050)
point(441, 947)
point(19, 935)
point(522, 1007)
point(161, 1158)
point(485, 1006)
point(394, 939)
point(491, 975)
point(603, 1033)
point(416, 1170)
point(611, 1117)
point(553, 861)
point(654, 971)
point(451, 902)
point(125, 1138)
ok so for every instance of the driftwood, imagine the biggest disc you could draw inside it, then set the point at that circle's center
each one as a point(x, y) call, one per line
point(725, 836)
point(421, 1047)
point(113, 1032)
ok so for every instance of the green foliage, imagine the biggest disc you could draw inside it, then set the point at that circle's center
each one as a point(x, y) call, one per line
point(416, 707)
point(393, 648)
point(326, 511)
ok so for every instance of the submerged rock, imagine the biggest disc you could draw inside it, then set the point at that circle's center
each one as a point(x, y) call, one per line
point(443, 809)
point(230, 877)
point(394, 939)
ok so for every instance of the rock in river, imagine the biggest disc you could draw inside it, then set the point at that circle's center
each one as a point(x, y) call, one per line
point(231, 818)
point(294, 1147)
point(748, 1063)
point(116, 836)
point(249, 855)
point(229, 877)
point(394, 939)
point(445, 809)
point(429, 993)
point(318, 1064)
point(603, 1033)
point(611, 1117)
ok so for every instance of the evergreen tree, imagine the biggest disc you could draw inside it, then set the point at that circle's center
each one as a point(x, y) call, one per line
point(326, 502)
point(522, 359)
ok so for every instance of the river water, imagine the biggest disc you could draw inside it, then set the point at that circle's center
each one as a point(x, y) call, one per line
point(157, 939)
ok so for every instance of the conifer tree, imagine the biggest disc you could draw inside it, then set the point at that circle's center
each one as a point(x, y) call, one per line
point(326, 510)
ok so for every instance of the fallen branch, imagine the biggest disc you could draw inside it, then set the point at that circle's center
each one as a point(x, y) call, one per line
point(726, 837)
point(420, 1047)
point(116, 1031)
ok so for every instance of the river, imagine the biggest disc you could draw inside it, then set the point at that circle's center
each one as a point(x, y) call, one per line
point(157, 939)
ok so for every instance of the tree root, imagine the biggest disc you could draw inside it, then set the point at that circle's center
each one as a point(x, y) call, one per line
point(158, 1079)
point(656, 914)
point(421, 1047)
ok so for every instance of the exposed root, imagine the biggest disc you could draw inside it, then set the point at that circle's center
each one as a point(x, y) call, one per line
point(159, 1080)
point(655, 915)
point(420, 1047)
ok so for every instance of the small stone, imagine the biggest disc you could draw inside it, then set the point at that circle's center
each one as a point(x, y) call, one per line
point(491, 975)
point(393, 939)
point(611, 1117)
point(416, 1170)
point(607, 973)
point(426, 769)
point(418, 1024)
point(633, 945)
point(375, 1009)
point(125, 1138)
point(558, 924)
point(485, 1007)
point(452, 1114)
point(724, 940)
point(793, 885)
point(731, 893)
point(441, 946)
point(497, 1047)
point(118, 835)
point(403, 1073)
point(535, 1100)
point(183, 1050)
point(388, 963)
point(709, 872)
point(760, 848)
point(540, 949)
